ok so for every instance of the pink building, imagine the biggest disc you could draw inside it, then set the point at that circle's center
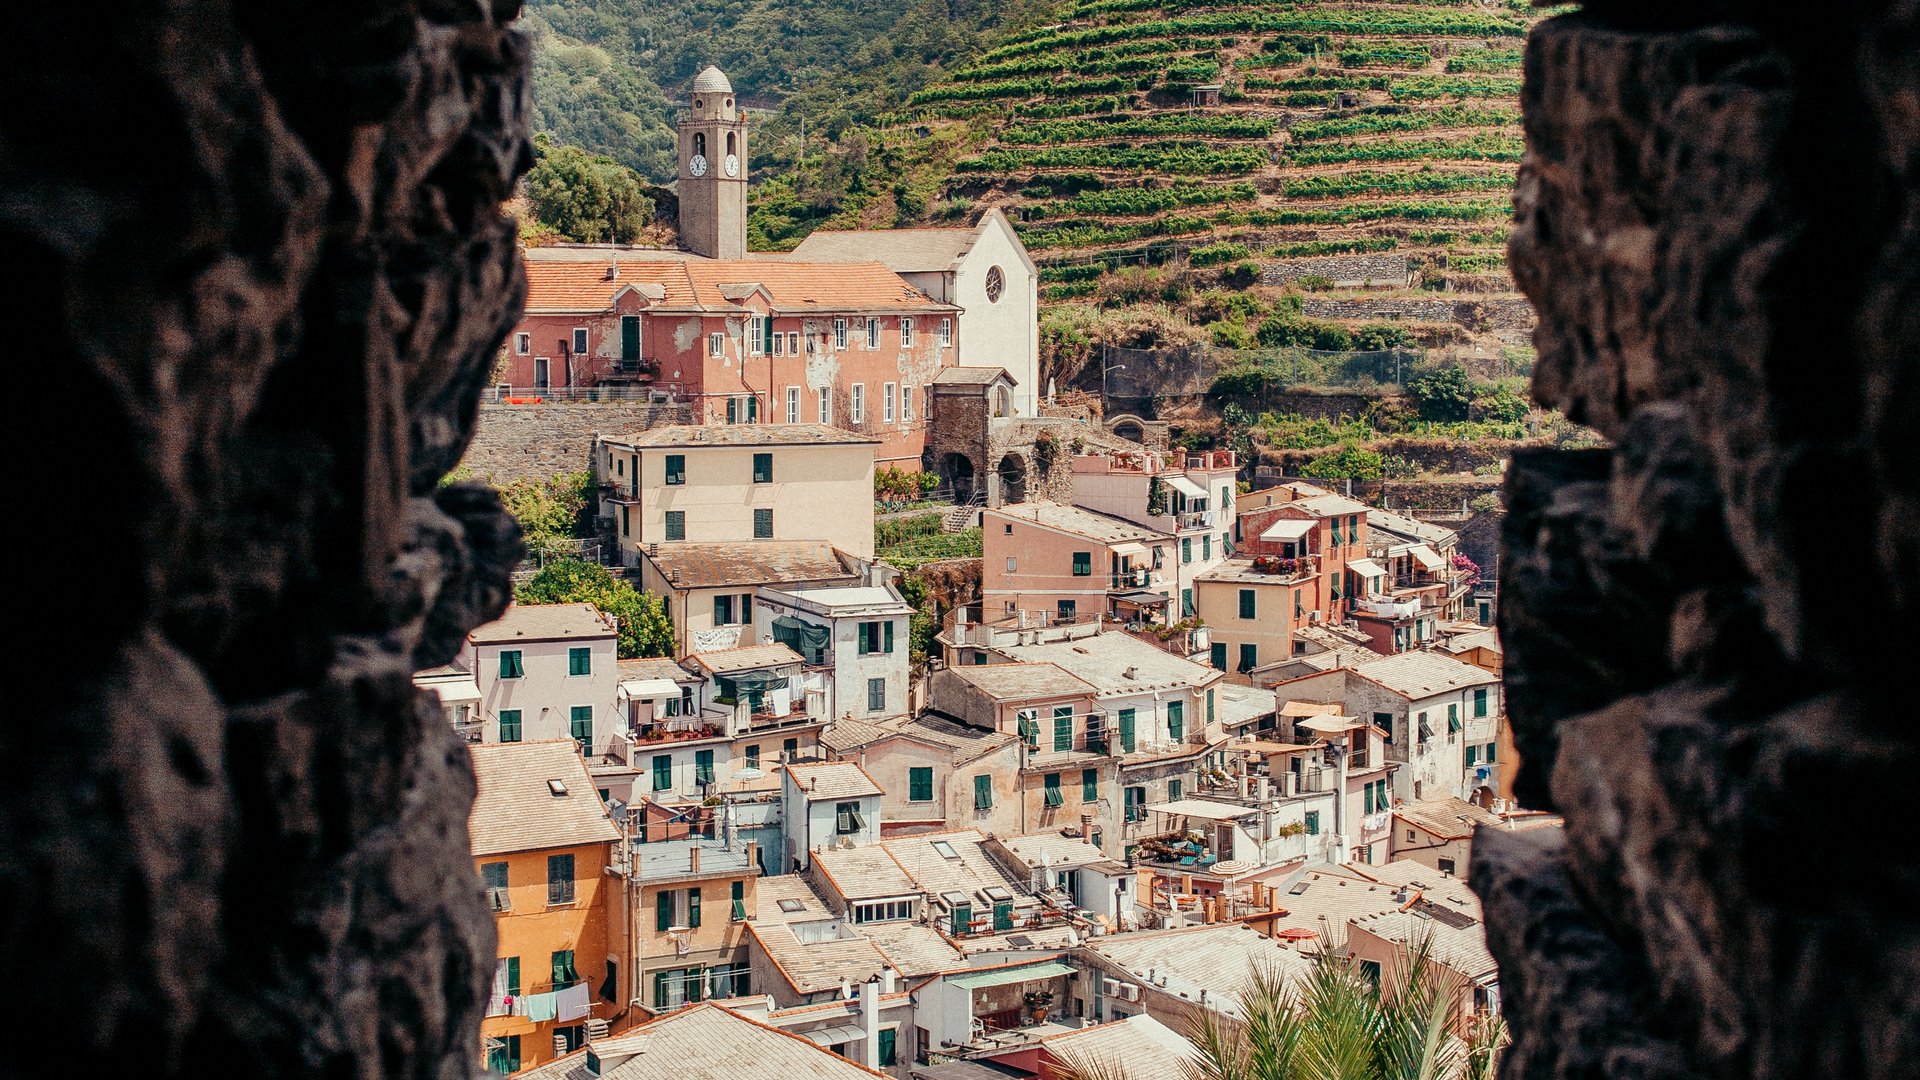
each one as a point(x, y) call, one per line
point(762, 340)
point(1070, 563)
point(1185, 499)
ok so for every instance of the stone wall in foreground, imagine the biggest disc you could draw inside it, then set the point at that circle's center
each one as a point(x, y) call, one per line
point(1708, 627)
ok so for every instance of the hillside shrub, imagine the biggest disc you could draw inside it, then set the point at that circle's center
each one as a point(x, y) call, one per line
point(1445, 394)
point(1350, 462)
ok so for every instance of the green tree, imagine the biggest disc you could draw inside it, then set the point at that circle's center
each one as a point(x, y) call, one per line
point(1335, 1023)
point(1443, 395)
point(1376, 336)
point(925, 622)
point(1350, 462)
point(586, 198)
point(645, 629)
point(548, 511)
point(1502, 405)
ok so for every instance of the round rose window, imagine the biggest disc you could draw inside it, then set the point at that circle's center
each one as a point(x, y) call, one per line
point(996, 284)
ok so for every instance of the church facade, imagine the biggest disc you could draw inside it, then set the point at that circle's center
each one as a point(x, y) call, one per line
point(851, 333)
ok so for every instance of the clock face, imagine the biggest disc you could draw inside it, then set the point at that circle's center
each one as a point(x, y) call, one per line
point(733, 165)
point(698, 165)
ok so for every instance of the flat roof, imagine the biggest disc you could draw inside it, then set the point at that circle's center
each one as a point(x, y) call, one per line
point(544, 622)
point(1020, 681)
point(694, 436)
point(749, 562)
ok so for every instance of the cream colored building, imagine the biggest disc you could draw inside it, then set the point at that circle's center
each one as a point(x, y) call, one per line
point(748, 482)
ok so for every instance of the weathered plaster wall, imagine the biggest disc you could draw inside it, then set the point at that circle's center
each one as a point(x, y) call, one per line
point(265, 275)
point(1708, 626)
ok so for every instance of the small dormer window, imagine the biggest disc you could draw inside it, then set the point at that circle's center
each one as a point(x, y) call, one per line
point(945, 850)
point(557, 788)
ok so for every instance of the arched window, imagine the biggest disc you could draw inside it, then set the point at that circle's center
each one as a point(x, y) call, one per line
point(700, 143)
point(730, 149)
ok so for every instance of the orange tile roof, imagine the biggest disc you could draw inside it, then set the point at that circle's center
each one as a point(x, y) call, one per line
point(700, 284)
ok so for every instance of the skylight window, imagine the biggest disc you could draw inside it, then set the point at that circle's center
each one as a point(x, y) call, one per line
point(945, 849)
point(558, 788)
point(791, 906)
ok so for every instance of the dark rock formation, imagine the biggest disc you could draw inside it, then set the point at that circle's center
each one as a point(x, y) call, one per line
point(259, 274)
point(1719, 223)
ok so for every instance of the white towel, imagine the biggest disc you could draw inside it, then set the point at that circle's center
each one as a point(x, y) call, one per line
point(574, 1003)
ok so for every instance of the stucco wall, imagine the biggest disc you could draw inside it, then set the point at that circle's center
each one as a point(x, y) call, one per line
point(513, 442)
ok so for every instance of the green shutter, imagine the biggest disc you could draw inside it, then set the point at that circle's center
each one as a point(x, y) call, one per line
point(1209, 706)
point(703, 766)
point(1089, 785)
point(659, 989)
point(1246, 604)
point(1313, 823)
point(693, 907)
point(663, 910)
point(766, 339)
point(1473, 755)
point(1176, 720)
point(763, 468)
point(1174, 790)
point(509, 663)
point(920, 784)
point(662, 772)
point(1003, 916)
point(1082, 563)
point(513, 975)
point(1126, 730)
point(739, 898)
point(676, 525)
point(676, 468)
point(887, 1036)
point(887, 636)
point(509, 725)
point(962, 920)
point(1063, 727)
point(579, 661)
point(1051, 790)
point(983, 792)
point(1218, 654)
point(1453, 719)
point(1480, 701)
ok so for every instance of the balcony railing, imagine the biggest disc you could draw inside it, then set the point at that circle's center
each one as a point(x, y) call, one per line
point(1133, 579)
point(1212, 459)
point(1387, 606)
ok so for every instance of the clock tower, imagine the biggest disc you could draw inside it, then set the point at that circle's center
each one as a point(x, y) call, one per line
point(712, 184)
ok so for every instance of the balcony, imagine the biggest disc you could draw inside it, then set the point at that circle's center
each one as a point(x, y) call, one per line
point(1387, 607)
point(1198, 519)
point(1210, 460)
point(1286, 569)
point(1138, 578)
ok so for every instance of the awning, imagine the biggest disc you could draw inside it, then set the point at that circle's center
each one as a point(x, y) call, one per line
point(650, 688)
point(1142, 598)
point(1131, 550)
point(456, 692)
point(1185, 486)
point(1366, 567)
point(832, 1036)
point(1331, 725)
point(1288, 529)
point(1009, 976)
point(1205, 809)
point(1425, 556)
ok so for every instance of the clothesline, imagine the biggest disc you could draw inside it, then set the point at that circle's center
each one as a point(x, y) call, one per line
point(573, 1003)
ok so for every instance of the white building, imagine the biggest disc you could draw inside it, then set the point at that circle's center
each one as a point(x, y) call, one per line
point(545, 671)
point(857, 634)
point(831, 804)
point(984, 270)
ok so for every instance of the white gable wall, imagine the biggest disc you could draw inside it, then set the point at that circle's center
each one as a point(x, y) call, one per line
point(1006, 334)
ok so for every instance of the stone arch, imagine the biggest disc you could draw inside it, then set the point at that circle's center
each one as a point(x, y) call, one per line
point(958, 474)
point(1012, 471)
point(1002, 402)
point(1128, 426)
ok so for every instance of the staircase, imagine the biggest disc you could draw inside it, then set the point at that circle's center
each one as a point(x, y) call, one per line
point(960, 518)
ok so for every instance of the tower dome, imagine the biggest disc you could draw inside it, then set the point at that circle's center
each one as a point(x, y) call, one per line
point(712, 81)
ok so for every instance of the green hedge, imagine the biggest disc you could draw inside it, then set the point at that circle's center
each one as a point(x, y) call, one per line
point(1184, 158)
point(1054, 132)
point(1385, 183)
point(1387, 118)
point(1419, 87)
point(1480, 147)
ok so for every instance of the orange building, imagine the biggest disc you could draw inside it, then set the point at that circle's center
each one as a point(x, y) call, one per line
point(540, 838)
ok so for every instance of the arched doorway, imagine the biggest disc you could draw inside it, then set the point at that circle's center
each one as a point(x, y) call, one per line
point(1128, 427)
point(956, 472)
point(1002, 402)
point(1013, 478)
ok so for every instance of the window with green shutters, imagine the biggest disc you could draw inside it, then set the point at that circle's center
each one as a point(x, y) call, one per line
point(503, 1054)
point(961, 921)
point(1492, 752)
point(663, 910)
point(1186, 603)
point(1063, 727)
point(1453, 718)
point(564, 974)
point(1126, 730)
point(629, 339)
point(1050, 788)
point(1249, 657)
point(1333, 586)
point(1480, 701)
point(509, 725)
point(1313, 823)
point(1174, 788)
point(753, 756)
point(1473, 755)
point(763, 468)
point(1135, 800)
point(580, 724)
point(1218, 655)
point(1209, 706)
point(847, 818)
point(888, 1051)
point(876, 695)
point(790, 749)
point(511, 666)
point(1247, 604)
point(983, 792)
point(559, 879)
point(1003, 915)
point(1206, 547)
point(876, 637)
point(739, 898)
point(703, 766)
point(1353, 529)
point(663, 772)
point(763, 524)
point(493, 876)
point(693, 908)
point(579, 661)
point(676, 524)
point(1082, 564)
point(1298, 608)
point(676, 468)
point(1186, 550)
point(1176, 720)
point(1089, 785)
point(920, 784)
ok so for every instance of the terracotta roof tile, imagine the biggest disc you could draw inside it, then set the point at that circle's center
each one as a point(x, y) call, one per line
point(750, 562)
point(516, 808)
point(703, 285)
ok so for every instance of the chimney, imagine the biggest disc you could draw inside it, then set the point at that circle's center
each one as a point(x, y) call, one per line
point(1130, 673)
point(693, 860)
point(613, 270)
point(753, 853)
point(870, 1017)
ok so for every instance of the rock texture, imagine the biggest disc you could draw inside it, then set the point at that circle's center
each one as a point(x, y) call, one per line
point(1706, 625)
point(539, 442)
point(259, 274)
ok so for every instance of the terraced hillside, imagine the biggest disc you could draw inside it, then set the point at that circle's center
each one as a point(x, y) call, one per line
point(1342, 129)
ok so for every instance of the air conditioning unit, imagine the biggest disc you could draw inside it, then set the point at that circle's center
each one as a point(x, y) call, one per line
point(1126, 991)
point(1313, 617)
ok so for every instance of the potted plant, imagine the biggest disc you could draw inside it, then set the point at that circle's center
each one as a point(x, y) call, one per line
point(1038, 1002)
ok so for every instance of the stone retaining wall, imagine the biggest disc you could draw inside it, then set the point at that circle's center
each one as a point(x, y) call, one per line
point(512, 442)
point(1340, 269)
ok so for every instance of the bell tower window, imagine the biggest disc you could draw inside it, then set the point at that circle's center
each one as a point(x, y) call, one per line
point(730, 148)
point(700, 142)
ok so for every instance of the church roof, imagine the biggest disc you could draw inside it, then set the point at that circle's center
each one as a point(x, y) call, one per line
point(904, 251)
point(696, 284)
point(712, 81)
